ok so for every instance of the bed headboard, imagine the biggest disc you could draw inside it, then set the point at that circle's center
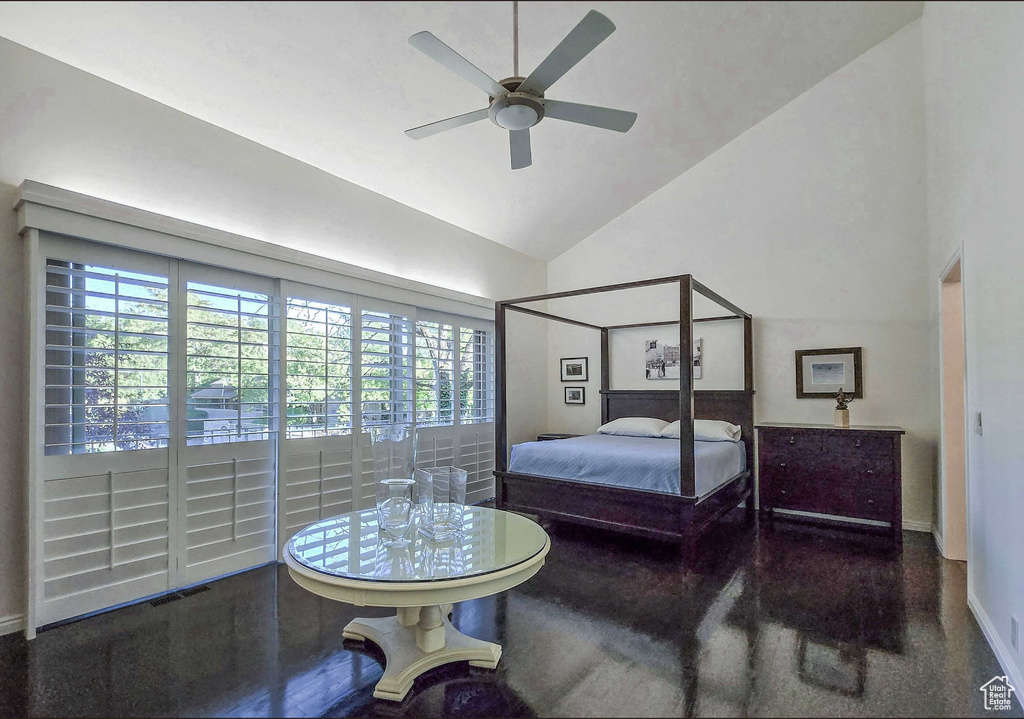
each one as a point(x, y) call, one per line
point(736, 406)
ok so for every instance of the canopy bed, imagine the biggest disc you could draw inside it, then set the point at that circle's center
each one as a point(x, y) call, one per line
point(642, 486)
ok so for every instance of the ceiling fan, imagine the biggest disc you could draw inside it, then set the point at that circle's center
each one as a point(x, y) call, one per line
point(517, 103)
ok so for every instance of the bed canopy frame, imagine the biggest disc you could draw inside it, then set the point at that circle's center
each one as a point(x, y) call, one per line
point(657, 515)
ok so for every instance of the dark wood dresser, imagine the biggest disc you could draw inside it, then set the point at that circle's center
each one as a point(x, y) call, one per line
point(845, 473)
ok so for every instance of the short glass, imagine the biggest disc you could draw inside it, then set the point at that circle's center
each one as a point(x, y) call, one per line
point(441, 496)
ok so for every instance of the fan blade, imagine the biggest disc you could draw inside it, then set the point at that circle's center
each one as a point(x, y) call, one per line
point(588, 34)
point(436, 50)
point(519, 142)
point(603, 117)
point(418, 133)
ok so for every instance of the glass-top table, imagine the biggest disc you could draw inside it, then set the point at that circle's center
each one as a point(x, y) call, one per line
point(349, 546)
point(342, 558)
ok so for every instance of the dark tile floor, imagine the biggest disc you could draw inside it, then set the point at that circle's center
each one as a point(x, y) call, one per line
point(782, 621)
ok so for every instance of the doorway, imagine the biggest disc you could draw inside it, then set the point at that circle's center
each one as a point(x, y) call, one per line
point(953, 487)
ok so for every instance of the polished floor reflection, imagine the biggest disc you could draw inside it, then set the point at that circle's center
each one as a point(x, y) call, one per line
point(783, 621)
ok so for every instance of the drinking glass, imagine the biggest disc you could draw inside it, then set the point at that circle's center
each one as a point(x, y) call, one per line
point(441, 496)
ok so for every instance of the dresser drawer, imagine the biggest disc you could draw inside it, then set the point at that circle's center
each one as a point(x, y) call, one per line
point(779, 442)
point(861, 444)
point(859, 502)
point(784, 487)
point(863, 472)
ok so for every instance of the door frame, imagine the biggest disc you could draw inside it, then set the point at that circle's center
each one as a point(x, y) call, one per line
point(939, 531)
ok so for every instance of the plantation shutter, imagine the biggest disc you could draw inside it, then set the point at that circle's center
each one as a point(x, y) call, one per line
point(475, 436)
point(318, 463)
point(435, 373)
point(104, 470)
point(387, 368)
point(228, 459)
point(106, 359)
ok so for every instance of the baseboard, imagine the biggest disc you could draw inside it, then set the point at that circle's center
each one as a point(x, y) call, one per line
point(1001, 651)
point(939, 543)
point(12, 623)
point(912, 526)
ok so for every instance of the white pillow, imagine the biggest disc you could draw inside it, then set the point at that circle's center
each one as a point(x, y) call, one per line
point(634, 427)
point(706, 430)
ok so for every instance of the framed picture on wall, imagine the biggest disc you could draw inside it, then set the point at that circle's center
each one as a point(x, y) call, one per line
point(822, 373)
point(574, 395)
point(574, 369)
point(662, 360)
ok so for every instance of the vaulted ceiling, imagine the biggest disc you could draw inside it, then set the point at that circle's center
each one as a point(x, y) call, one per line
point(336, 84)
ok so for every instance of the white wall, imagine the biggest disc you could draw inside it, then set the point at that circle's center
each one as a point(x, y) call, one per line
point(974, 71)
point(67, 128)
point(573, 341)
point(527, 377)
point(814, 221)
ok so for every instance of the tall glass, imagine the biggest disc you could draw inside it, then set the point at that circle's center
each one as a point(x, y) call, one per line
point(441, 496)
point(393, 448)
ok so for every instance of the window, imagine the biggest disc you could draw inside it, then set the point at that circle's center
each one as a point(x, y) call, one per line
point(106, 360)
point(387, 369)
point(227, 365)
point(476, 376)
point(319, 369)
point(435, 369)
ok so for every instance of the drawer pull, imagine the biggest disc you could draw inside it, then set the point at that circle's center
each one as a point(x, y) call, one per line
point(871, 471)
point(782, 491)
point(857, 444)
point(792, 440)
point(782, 465)
point(871, 501)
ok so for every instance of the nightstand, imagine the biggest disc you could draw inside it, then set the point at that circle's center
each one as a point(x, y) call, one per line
point(850, 473)
point(547, 436)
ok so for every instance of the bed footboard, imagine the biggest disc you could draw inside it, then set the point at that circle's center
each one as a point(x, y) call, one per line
point(655, 515)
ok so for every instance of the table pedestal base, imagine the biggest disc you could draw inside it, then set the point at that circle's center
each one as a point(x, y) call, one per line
point(418, 639)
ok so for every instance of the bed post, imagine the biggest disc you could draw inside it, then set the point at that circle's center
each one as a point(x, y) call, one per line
point(748, 354)
point(687, 483)
point(500, 405)
point(748, 385)
point(605, 375)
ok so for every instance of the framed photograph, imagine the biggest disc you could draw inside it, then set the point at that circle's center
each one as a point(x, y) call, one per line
point(822, 373)
point(574, 369)
point(662, 361)
point(574, 395)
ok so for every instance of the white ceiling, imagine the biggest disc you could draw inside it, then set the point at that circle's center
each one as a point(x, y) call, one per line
point(336, 84)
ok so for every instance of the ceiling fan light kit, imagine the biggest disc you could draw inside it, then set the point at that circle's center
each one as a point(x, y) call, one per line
point(517, 103)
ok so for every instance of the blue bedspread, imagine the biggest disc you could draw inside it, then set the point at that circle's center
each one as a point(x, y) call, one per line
point(638, 462)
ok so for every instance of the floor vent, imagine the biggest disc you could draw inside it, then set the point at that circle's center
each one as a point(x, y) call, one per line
point(195, 590)
point(165, 599)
